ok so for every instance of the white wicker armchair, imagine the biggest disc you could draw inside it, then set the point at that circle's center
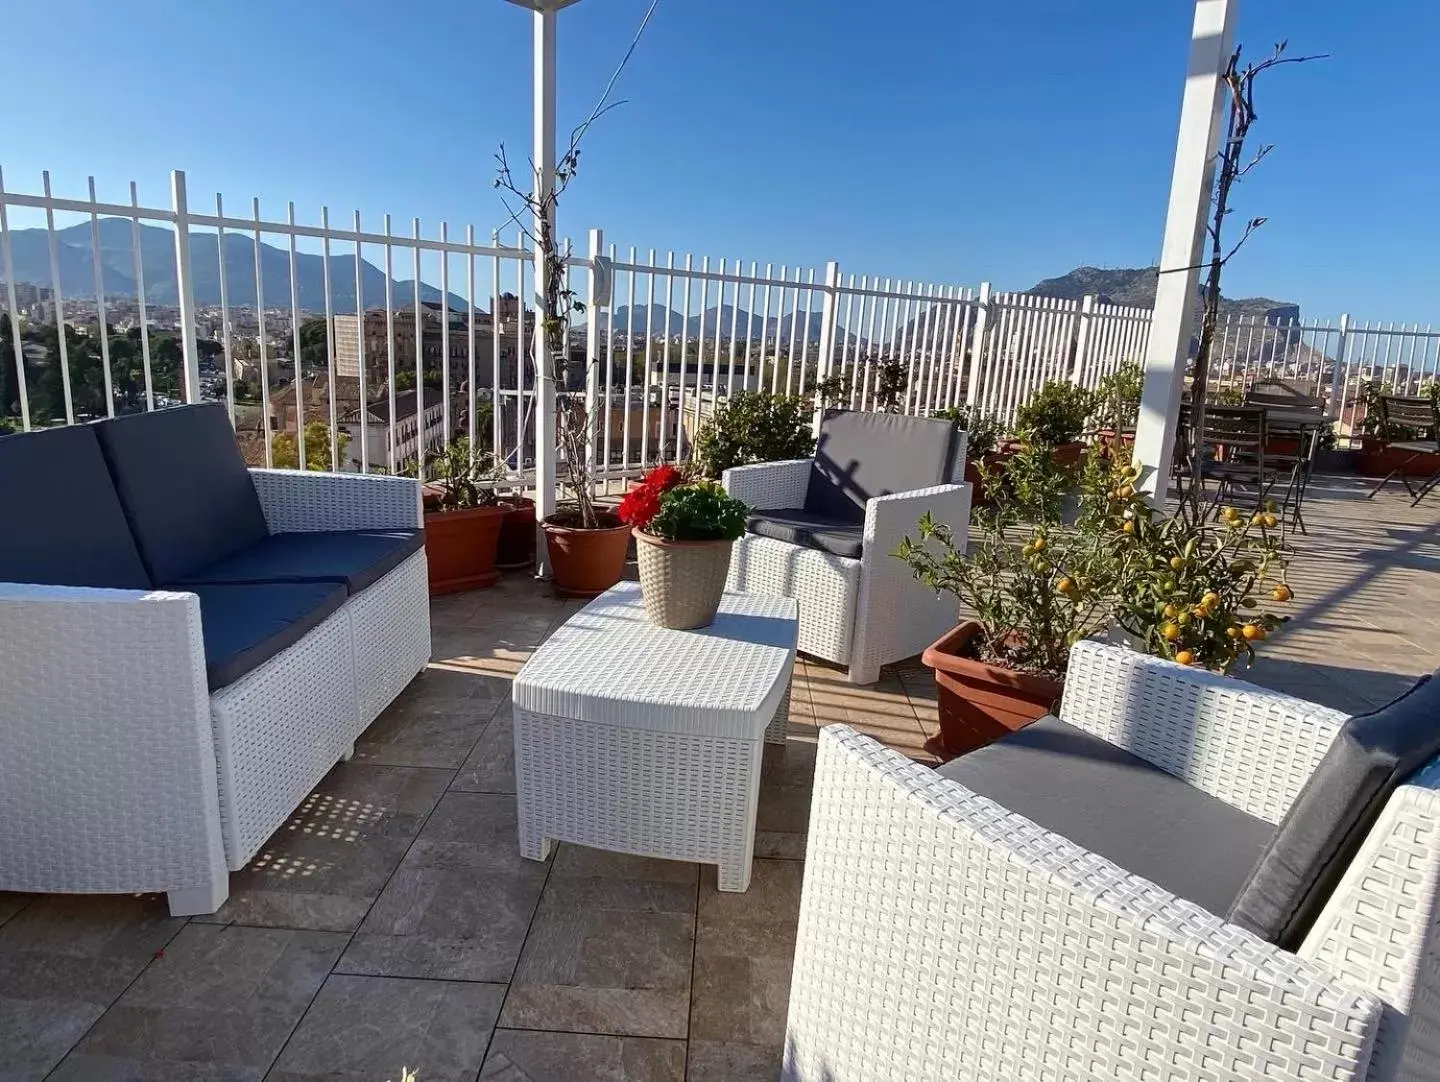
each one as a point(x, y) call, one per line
point(121, 772)
point(863, 613)
point(942, 936)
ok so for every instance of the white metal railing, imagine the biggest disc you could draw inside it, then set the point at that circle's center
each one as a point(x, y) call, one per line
point(194, 311)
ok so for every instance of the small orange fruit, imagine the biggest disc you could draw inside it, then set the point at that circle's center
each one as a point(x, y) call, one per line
point(1185, 657)
point(1271, 521)
point(1252, 632)
point(1066, 585)
point(1177, 563)
point(1210, 600)
point(1126, 491)
point(1129, 526)
point(1171, 612)
point(1171, 632)
point(1038, 544)
point(1257, 519)
point(1281, 593)
point(1233, 632)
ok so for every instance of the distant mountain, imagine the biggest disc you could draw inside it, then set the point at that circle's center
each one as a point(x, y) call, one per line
point(1135, 287)
point(657, 319)
point(75, 255)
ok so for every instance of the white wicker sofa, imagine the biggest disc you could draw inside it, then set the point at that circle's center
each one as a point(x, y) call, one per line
point(186, 648)
point(945, 935)
point(823, 531)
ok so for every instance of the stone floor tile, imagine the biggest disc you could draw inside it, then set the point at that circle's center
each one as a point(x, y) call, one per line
point(221, 997)
point(491, 765)
point(88, 1068)
point(530, 1056)
point(480, 652)
point(63, 960)
point(730, 1061)
point(327, 865)
point(360, 1029)
point(424, 729)
point(610, 949)
point(11, 903)
point(460, 903)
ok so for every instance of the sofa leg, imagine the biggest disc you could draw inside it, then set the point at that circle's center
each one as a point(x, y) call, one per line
point(863, 674)
point(348, 753)
point(199, 901)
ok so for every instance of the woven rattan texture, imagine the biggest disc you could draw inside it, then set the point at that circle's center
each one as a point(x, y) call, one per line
point(682, 583)
point(298, 501)
point(390, 622)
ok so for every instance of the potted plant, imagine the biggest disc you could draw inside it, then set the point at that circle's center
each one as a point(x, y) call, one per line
point(462, 517)
point(516, 548)
point(983, 456)
point(1032, 591)
point(1054, 416)
point(684, 534)
point(1116, 408)
point(754, 426)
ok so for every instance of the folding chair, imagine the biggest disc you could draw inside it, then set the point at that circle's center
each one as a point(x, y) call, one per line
point(1422, 417)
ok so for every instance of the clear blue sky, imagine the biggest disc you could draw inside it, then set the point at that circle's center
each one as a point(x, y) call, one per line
point(943, 140)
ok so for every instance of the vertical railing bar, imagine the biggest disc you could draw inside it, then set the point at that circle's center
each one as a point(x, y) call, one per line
point(331, 377)
point(264, 349)
point(846, 361)
point(750, 328)
point(422, 427)
point(649, 362)
point(664, 435)
point(497, 398)
point(361, 325)
point(7, 262)
point(225, 341)
point(299, 380)
point(686, 293)
point(445, 403)
point(734, 328)
point(627, 428)
point(59, 299)
point(390, 345)
point(104, 324)
point(765, 332)
point(794, 330)
point(699, 339)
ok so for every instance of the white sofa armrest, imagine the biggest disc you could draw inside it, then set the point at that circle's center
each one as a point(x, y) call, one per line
point(769, 485)
point(1250, 747)
point(107, 756)
point(941, 935)
point(897, 617)
point(297, 501)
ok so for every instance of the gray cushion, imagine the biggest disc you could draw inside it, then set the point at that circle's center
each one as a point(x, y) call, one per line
point(353, 558)
point(800, 527)
point(63, 524)
point(862, 455)
point(184, 486)
point(1121, 807)
point(1318, 838)
point(245, 626)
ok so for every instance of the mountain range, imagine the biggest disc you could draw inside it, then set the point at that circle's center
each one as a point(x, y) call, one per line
point(1135, 286)
point(658, 319)
point(76, 258)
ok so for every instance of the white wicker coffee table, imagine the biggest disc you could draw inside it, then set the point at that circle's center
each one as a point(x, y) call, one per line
point(642, 740)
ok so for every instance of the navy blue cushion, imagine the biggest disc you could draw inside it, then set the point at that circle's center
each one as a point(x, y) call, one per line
point(1372, 756)
point(245, 626)
point(353, 558)
point(863, 455)
point(800, 527)
point(1118, 805)
point(184, 486)
point(63, 524)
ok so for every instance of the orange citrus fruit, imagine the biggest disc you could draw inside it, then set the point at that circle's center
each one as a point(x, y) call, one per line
point(1185, 657)
point(1252, 632)
point(1281, 593)
point(1171, 632)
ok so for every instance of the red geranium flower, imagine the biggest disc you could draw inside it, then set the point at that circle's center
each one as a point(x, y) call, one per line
point(663, 478)
point(640, 505)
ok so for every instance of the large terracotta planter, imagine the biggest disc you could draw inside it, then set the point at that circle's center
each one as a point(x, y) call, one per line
point(1068, 455)
point(681, 581)
point(585, 563)
point(516, 549)
point(460, 548)
point(1377, 458)
point(980, 703)
point(994, 463)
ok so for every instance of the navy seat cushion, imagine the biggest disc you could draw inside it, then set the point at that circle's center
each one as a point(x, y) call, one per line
point(184, 486)
point(354, 559)
point(1372, 756)
point(63, 523)
point(800, 527)
point(859, 456)
point(245, 626)
point(1117, 805)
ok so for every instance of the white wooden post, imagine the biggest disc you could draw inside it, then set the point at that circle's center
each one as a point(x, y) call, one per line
point(977, 346)
point(1201, 113)
point(544, 155)
point(829, 313)
point(1342, 364)
point(1082, 339)
point(593, 439)
point(185, 287)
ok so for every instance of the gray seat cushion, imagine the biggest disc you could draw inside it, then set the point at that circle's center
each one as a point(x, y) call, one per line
point(245, 626)
point(1121, 807)
point(863, 455)
point(63, 523)
point(1319, 837)
point(184, 486)
point(800, 527)
point(353, 558)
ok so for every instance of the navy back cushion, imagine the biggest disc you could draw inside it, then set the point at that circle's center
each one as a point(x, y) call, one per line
point(63, 524)
point(184, 486)
point(862, 455)
point(1319, 837)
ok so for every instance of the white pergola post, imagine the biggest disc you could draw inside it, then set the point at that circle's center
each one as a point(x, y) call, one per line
point(1201, 113)
point(546, 450)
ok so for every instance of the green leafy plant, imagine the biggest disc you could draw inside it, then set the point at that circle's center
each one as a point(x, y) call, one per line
point(892, 379)
point(698, 511)
point(1054, 414)
point(285, 452)
point(750, 427)
point(982, 430)
point(1117, 398)
point(460, 476)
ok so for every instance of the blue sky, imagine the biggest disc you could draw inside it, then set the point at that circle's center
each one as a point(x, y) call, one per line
point(942, 141)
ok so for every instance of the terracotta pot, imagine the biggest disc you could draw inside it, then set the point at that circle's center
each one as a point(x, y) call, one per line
point(460, 548)
point(516, 550)
point(1377, 458)
point(1068, 454)
point(681, 582)
point(585, 563)
point(994, 462)
point(1117, 445)
point(980, 703)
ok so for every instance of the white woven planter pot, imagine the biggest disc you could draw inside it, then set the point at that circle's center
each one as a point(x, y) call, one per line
point(681, 581)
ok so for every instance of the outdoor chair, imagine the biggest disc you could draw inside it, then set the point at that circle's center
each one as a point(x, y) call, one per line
point(1235, 454)
point(188, 648)
point(1183, 877)
point(824, 531)
point(1294, 420)
point(1419, 417)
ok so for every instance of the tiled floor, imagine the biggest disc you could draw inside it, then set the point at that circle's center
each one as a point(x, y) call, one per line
point(392, 922)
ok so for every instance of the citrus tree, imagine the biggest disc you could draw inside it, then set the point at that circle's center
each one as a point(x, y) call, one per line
point(286, 455)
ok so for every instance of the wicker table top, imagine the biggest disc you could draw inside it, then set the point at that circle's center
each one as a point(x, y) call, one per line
point(610, 664)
